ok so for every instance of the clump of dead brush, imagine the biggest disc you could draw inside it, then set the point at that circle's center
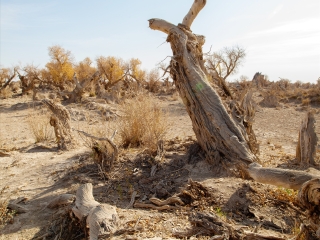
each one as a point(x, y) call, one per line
point(6, 215)
point(143, 123)
point(104, 150)
point(63, 225)
point(284, 195)
point(39, 122)
point(6, 93)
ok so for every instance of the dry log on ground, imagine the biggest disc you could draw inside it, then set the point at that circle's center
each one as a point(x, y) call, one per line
point(101, 219)
point(60, 120)
point(279, 177)
point(307, 141)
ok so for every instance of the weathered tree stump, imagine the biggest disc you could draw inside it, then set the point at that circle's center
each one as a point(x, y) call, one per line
point(60, 120)
point(102, 219)
point(307, 141)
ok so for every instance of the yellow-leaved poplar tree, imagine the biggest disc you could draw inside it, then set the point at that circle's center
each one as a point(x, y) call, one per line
point(84, 69)
point(60, 67)
point(112, 69)
point(136, 71)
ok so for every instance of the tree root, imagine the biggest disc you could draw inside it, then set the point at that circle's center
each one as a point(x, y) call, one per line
point(209, 224)
point(159, 208)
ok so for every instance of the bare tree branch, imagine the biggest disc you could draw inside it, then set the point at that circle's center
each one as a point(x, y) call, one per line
point(160, 25)
point(193, 12)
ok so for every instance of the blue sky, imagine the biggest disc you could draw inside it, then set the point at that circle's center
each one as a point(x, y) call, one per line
point(281, 37)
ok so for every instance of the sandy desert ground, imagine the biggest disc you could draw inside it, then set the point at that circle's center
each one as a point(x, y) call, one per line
point(34, 173)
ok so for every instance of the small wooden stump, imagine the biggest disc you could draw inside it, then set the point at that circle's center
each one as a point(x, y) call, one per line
point(307, 141)
point(102, 219)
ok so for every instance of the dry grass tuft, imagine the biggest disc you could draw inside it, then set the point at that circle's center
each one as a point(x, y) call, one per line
point(143, 123)
point(5, 214)
point(284, 195)
point(40, 126)
point(6, 93)
point(305, 102)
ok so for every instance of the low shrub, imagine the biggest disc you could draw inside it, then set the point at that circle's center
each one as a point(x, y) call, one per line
point(6, 215)
point(40, 126)
point(6, 93)
point(143, 123)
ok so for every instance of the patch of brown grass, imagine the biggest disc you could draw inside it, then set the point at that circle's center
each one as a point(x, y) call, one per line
point(40, 126)
point(143, 123)
point(5, 214)
point(305, 102)
point(284, 195)
point(6, 93)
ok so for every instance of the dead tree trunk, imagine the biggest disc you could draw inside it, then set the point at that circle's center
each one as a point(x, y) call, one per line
point(77, 93)
point(307, 141)
point(102, 219)
point(220, 135)
point(60, 120)
point(217, 133)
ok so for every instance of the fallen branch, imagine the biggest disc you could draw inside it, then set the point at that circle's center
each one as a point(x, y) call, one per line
point(279, 177)
point(169, 201)
point(159, 208)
